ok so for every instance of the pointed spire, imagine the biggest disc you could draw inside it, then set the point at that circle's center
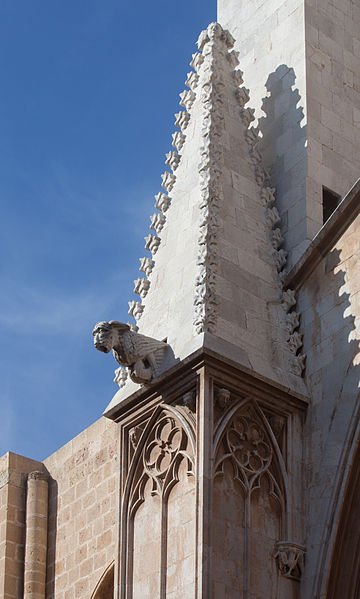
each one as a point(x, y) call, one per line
point(214, 276)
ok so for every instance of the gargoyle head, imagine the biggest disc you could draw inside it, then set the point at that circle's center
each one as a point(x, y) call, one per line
point(106, 334)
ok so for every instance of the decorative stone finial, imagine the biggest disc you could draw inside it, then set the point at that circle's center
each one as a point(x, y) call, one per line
point(141, 355)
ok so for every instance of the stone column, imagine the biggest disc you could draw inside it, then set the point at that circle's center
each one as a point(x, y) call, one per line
point(36, 535)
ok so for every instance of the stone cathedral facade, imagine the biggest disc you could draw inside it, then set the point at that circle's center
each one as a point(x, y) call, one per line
point(227, 464)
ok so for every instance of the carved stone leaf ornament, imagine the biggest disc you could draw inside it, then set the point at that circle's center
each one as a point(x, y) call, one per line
point(178, 140)
point(157, 222)
point(162, 201)
point(182, 119)
point(152, 243)
point(214, 43)
point(146, 265)
point(135, 309)
point(121, 376)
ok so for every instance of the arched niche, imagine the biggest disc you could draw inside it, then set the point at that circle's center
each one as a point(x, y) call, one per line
point(105, 587)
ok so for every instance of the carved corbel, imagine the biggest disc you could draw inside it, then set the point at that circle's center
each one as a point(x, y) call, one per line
point(134, 435)
point(290, 559)
point(222, 397)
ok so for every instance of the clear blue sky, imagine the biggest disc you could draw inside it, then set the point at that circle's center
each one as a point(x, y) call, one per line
point(89, 90)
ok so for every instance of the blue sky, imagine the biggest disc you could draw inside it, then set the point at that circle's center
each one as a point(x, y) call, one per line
point(89, 90)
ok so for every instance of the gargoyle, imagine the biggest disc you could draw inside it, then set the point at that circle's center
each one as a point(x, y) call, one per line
point(141, 355)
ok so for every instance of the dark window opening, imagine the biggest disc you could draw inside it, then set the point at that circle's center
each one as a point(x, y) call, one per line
point(331, 201)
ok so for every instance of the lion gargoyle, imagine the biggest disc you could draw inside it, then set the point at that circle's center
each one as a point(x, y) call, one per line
point(141, 355)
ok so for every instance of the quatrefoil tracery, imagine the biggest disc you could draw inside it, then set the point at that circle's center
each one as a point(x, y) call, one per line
point(246, 446)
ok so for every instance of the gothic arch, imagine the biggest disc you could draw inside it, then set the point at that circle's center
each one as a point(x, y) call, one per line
point(105, 587)
point(166, 446)
point(344, 575)
point(249, 414)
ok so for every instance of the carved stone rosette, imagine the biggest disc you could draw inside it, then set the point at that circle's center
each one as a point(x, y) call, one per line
point(290, 559)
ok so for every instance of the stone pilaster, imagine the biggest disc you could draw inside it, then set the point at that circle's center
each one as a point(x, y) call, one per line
point(36, 535)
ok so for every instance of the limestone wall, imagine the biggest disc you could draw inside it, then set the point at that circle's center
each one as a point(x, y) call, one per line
point(301, 62)
point(332, 32)
point(82, 511)
point(330, 304)
point(13, 474)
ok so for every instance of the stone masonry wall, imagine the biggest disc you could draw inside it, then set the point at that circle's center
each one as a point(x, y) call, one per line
point(82, 511)
point(270, 38)
point(332, 32)
point(329, 302)
point(13, 473)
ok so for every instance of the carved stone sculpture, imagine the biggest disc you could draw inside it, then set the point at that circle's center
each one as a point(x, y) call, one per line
point(290, 559)
point(141, 355)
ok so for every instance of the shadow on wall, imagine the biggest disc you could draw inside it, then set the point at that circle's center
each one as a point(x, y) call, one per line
point(284, 151)
point(334, 424)
point(52, 533)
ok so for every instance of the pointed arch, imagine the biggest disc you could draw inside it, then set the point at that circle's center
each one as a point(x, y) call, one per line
point(344, 575)
point(164, 453)
point(246, 419)
point(105, 586)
